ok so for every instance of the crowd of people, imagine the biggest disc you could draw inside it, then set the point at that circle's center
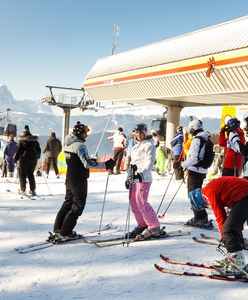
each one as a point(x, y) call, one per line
point(190, 155)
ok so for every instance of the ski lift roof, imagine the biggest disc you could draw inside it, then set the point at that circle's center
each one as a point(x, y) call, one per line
point(174, 71)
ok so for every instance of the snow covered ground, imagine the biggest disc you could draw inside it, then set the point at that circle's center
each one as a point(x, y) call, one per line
point(83, 271)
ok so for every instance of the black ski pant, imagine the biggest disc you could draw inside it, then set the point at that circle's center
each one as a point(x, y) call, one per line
point(26, 170)
point(73, 206)
point(230, 172)
point(52, 160)
point(233, 225)
point(118, 155)
point(195, 181)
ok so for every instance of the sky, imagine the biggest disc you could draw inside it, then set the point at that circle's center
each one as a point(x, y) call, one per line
point(56, 42)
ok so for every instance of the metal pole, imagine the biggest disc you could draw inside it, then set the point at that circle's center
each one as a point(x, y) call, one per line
point(106, 126)
point(104, 200)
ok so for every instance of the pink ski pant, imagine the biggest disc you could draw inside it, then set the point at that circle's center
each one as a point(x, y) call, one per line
point(142, 210)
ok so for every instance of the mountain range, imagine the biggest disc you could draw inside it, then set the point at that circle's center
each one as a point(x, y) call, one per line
point(42, 121)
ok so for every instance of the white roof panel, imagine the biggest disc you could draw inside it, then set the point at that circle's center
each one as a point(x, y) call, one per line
point(216, 39)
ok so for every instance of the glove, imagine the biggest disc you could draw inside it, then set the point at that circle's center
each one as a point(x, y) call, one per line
point(177, 165)
point(109, 164)
point(133, 168)
point(133, 179)
point(224, 129)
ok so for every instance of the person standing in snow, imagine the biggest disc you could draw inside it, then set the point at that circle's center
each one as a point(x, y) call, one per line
point(231, 192)
point(177, 154)
point(52, 150)
point(196, 172)
point(232, 138)
point(119, 140)
point(139, 181)
point(27, 153)
point(78, 164)
point(8, 155)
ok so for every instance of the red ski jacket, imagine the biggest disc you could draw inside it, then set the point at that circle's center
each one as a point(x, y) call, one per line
point(233, 160)
point(224, 192)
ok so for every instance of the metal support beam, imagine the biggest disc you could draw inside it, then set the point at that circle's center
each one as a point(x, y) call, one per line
point(173, 119)
point(66, 123)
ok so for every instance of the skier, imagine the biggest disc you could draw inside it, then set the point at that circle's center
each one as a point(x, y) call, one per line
point(139, 181)
point(196, 172)
point(232, 138)
point(52, 149)
point(9, 153)
point(78, 164)
point(27, 153)
point(178, 155)
point(119, 140)
point(231, 192)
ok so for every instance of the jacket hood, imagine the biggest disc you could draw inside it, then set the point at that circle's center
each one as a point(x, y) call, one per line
point(71, 138)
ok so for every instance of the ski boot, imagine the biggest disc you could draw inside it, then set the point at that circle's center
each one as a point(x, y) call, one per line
point(233, 266)
point(202, 223)
point(136, 231)
point(148, 234)
point(59, 238)
point(51, 237)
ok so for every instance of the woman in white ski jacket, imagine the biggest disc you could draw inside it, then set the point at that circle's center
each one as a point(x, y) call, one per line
point(139, 181)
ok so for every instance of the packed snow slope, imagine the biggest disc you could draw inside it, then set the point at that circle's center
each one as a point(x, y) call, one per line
point(81, 271)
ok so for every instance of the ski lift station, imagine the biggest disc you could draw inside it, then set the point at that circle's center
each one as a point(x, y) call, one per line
point(208, 67)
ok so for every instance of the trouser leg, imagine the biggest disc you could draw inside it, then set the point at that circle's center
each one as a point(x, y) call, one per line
point(233, 224)
point(30, 175)
point(118, 157)
point(22, 172)
point(55, 167)
point(195, 180)
point(143, 211)
point(77, 194)
point(134, 206)
point(48, 165)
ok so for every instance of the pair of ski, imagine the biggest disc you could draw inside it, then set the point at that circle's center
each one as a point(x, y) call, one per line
point(208, 226)
point(49, 243)
point(121, 240)
point(221, 276)
point(207, 240)
point(27, 196)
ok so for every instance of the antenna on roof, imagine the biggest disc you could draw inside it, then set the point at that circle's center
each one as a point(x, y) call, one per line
point(116, 32)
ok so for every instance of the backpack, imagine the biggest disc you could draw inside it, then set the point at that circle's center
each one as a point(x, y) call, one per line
point(208, 156)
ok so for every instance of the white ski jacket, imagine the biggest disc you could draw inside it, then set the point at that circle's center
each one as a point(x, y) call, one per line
point(196, 154)
point(143, 156)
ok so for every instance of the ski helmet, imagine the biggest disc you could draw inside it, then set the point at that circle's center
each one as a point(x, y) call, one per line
point(196, 199)
point(79, 128)
point(233, 123)
point(195, 125)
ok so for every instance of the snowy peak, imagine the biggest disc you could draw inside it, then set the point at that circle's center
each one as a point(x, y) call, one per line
point(28, 106)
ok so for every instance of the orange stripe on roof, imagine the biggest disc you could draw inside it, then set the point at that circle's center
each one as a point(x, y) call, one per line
point(170, 71)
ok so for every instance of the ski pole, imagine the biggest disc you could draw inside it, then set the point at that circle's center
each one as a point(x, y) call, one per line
point(127, 225)
point(104, 130)
point(103, 205)
point(49, 190)
point(161, 216)
point(161, 202)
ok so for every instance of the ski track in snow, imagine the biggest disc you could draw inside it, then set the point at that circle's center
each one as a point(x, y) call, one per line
point(82, 271)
